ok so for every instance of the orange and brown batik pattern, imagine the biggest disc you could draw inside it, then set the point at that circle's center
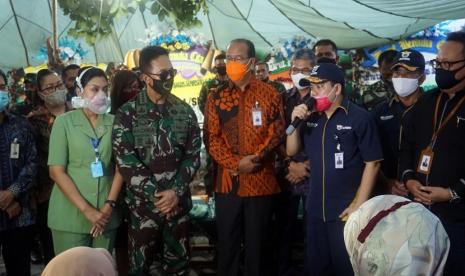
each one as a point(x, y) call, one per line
point(231, 135)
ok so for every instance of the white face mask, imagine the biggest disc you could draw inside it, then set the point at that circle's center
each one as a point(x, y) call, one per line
point(296, 78)
point(404, 87)
point(99, 103)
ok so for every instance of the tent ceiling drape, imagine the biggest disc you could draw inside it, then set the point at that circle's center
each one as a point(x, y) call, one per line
point(25, 24)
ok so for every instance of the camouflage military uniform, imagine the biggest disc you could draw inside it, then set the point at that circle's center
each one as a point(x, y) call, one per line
point(375, 93)
point(157, 147)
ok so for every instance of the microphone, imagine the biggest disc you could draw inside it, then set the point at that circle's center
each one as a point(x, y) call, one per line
point(310, 103)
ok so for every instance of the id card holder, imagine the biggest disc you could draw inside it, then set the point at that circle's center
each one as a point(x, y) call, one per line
point(96, 169)
point(257, 115)
point(426, 160)
point(339, 160)
point(14, 149)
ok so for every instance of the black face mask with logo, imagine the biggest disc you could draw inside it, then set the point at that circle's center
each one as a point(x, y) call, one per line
point(164, 85)
point(446, 79)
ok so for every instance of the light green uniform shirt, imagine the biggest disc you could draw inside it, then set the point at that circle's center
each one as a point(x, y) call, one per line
point(70, 146)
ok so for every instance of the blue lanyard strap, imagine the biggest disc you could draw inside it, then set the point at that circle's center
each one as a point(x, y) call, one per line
point(95, 142)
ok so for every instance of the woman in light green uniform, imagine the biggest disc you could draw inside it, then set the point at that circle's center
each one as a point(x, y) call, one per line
point(82, 209)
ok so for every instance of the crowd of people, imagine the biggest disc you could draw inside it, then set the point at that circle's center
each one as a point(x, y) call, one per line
point(91, 160)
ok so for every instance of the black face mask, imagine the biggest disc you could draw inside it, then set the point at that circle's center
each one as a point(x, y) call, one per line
point(326, 60)
point(446, 79)
point(221, 70)
point(162, 87)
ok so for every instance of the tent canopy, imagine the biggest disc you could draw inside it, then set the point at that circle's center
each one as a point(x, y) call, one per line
point(25, 24)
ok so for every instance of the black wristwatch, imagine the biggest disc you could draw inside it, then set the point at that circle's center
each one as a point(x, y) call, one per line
point(112, 203)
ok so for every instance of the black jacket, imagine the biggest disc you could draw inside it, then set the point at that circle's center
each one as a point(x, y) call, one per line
point(448, 164)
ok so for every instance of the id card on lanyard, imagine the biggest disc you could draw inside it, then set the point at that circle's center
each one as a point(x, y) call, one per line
point(96, 167)
point(256, 115)
point(427, 154)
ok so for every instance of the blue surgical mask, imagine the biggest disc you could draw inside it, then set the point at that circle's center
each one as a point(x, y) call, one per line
point(4, 100)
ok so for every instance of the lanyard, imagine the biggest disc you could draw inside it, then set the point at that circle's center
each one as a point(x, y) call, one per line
point(95, 143)
point(438, 130)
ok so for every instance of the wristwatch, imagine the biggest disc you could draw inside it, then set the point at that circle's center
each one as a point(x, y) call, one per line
point(112, 203)
point(455, 198)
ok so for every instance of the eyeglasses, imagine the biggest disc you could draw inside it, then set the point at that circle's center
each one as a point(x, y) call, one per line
point(52, 89)
point(444, 64)
point(237, 59)
point(305, 71)
point(166, 74)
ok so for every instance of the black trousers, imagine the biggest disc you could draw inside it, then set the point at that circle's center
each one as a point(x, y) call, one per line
point(44, 233)
point(16, 250)
point(243, 220)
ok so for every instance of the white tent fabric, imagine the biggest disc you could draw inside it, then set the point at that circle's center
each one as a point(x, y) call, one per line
point(25, 24)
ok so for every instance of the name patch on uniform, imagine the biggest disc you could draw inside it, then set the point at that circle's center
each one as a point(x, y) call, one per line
point(385, 118)
point(313, 125)
point(341, 127)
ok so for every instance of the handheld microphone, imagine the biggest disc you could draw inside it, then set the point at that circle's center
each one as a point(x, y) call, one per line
point(310, 103)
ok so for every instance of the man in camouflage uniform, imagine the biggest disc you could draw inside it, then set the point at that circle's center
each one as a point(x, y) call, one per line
point(374, 94)
point(157, 147)
point(262, 72)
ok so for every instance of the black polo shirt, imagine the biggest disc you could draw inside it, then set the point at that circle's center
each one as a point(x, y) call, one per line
point(351, 131)
point(448, 164)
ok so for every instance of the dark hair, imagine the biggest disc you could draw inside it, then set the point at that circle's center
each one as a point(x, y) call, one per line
point(263, 63)
point(121, 80)
point(41, 75)
point(305, 54)
point(457, 37)
point(30, 78)
point(148, 54)
point(88, 75)
point(324, 42)
point(250, 46)
point(67, 68)
point(220, 56)
point(2, 74)
point(387, 56)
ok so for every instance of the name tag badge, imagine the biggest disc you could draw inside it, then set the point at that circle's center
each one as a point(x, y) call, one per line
point(339, 160)
point(14, 149)
point(257, 115)
point(96, 169)
point(426, 159)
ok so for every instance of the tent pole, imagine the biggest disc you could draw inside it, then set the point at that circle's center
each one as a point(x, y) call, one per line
point(55, 26)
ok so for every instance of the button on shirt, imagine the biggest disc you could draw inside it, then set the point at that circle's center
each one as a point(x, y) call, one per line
point(350, 131)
